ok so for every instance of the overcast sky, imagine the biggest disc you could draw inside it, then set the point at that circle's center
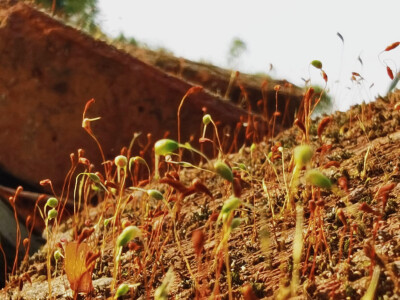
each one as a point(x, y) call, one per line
point(288, 34)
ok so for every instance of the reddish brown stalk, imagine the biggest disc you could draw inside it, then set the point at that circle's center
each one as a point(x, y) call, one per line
point(307, 110)
point(198, 239)
point(287, 102)
point(192, 90)
point(256, 127)
point(249, 128)
point(173, 175)
point(18, 237)
point(67, 183)
point(159, 251)
point(264, 86)
point(342, 218)
point(5, 263)
point(48, 182)
point(26, 242)
point(300, 124)
point(311, 229)
point(322, 125)
point(147, 146)
point(235, 136)
point(226, 133)
point(331, 163)
point(275, 114)
point(87, 127)
point(351, 243)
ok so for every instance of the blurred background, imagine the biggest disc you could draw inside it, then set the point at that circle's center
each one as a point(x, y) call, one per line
point(277, 38)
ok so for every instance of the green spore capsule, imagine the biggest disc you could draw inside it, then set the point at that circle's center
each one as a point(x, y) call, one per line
point(236, 223)
point(316, 64)
point(122, 290)
point(302, 155)
point(121, 161)
point(128, 234)
point(165, 146)
point(316, 178)
point(223, 170)
point(206, 119)
point(52, 214)
point(57, 255)
point(94, 178)
point(155, 194)
point(52, 202)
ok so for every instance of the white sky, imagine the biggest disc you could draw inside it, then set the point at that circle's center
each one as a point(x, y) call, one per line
point(287, 33)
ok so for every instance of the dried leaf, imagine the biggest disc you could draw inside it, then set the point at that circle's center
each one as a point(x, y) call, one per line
point(201, 188)
point(331, 163)
point(300, 124)
point(177, 185)
point(79, 275)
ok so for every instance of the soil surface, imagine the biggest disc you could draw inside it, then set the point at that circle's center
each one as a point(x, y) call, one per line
point(348, 232)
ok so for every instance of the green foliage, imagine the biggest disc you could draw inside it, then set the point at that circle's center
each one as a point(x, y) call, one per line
point(121, 38)
point(236, 49)
point(81, 13)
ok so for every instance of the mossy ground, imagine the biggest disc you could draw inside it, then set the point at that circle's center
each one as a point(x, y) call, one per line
point(374, 126)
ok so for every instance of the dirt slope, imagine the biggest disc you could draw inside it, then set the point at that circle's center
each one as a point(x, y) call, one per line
point(365, 148)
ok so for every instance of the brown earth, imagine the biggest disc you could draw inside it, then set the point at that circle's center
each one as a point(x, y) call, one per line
point(217, 80)
point(49, 71)
point(365, 148)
